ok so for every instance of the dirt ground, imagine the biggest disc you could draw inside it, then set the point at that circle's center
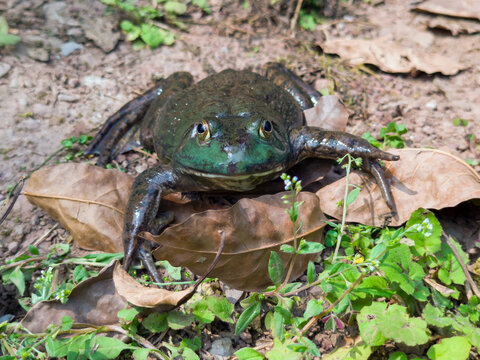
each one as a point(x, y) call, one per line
point(46, 96)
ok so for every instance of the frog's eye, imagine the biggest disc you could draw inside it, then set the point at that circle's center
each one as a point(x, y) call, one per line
point(265, 130)
point(203, 131)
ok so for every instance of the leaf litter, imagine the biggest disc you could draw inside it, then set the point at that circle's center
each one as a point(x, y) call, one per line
point(253, 226)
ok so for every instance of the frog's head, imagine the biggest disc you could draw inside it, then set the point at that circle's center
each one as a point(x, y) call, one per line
point(235, 151)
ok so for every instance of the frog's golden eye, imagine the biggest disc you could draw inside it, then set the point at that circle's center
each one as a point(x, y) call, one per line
point(265, 130)
point(203, 131)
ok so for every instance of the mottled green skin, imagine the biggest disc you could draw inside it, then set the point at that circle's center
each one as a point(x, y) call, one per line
point(234, 103)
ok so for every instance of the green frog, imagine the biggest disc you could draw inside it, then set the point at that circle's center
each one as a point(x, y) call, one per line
point(232, 131)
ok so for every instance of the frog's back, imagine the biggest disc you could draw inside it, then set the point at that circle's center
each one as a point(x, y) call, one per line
point(229, 95)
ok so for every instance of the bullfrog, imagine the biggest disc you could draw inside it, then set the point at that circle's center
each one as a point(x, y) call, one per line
point(232, 131)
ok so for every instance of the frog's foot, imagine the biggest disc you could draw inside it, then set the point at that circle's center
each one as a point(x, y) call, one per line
point(316, 142)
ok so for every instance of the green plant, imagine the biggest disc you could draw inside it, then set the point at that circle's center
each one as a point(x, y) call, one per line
point(6, 38)
point(73, 151)
point(390, 136)
point(149, 24)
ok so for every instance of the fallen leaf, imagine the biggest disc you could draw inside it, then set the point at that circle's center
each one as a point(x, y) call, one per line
point(93, 301)
point(253, 228)
point(426, 178)
point(87, 200)
point(329, 113)
point(458, 8)
point(391, 57)
point(149, 297)
point(455, 26)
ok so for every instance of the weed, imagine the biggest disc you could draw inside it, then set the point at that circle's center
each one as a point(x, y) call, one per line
point(390, 136)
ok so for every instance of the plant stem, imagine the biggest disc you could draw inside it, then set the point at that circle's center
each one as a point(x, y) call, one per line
point(344, 215)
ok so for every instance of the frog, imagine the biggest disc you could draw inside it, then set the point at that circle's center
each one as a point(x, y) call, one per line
point(232, 131)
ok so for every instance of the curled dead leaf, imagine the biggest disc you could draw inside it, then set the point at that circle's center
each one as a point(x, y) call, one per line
point(426, 178)
point(149, 297)
point(455, 26)
point(87, 200)
point(391, 57)
point(253, 228)
point(458, 8)
point(94, 301)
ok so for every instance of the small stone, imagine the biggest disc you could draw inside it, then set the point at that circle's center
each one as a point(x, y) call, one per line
point(39, 54)
point(4, 69)
point(12, 246)
point(246, 336)
point(69, 47)
point(222, 347)
point(68, 98)
point(432, 105)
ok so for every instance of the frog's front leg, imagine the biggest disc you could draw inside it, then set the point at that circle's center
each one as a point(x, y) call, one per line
point(141, 212)
point(316, 142)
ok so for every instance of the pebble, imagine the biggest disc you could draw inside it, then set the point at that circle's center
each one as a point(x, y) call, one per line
point(41, 110)
point(69, 47)
point(432, 105)
point(4, 69)
point(12, 246)
point(222, 347)
point(68, 98)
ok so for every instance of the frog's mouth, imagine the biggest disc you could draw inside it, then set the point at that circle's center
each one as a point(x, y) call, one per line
point(243, 176)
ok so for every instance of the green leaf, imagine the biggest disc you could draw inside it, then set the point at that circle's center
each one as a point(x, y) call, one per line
point(128, 314)
point(460, 122)
point(352, 195)
point(435, 317)
point(399, 268)
point(202, 313)
point(33, 250)
point(175, 272)
point(398, 355)
point(67, 323)
point(424, 228)
point(249, 354)
point(314, 307)
point(16, 277)
point(376, 251)
point(107, 348)
point(202, 4)
point(221, 307)
point(310, 247)
point(175, 7)
point(3, 25)
point(56, 348)
point(9, 39)
point(281, 351)
point(179, 320)
point(307, 22)
point(79, 273)
point(247, 317)
point(275, 268)
point(278, 323)
point(367, 324)
point(141, 354)
point(311, 274)
point(454, 348)
point(289, 249)
point(395, 324)
point(156, 322)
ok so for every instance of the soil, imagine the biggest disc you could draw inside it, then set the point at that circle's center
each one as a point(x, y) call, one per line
point(46, 96)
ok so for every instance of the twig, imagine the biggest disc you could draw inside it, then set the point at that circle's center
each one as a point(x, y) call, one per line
point(38, 241)
point(23, 262)
point(462, 264)
point(295, 15)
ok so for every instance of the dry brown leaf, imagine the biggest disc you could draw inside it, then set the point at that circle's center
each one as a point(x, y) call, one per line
point(455, 26)
point(425, 178)
point(93, 301)
point(87, 200)
point(457, 8)
point(391, 57)
point(253, 228)
point(139, 295)
point(328, 114)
